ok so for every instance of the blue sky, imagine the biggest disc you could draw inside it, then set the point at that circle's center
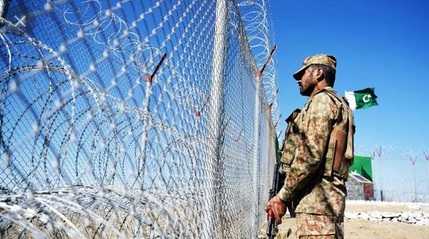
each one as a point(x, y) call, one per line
point(381, 44)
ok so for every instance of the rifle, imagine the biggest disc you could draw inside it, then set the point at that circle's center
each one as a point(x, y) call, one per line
point(278, 180)
point(279, 175)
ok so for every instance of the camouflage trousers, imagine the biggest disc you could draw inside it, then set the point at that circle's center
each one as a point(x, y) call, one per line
point(308, 226)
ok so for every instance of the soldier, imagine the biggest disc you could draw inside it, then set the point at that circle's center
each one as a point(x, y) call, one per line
point(317, 153)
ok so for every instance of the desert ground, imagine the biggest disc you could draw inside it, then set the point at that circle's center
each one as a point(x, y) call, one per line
point(380, 220)
point(383, 220)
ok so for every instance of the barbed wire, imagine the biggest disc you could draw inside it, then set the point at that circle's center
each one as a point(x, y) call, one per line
point(408, 184)
point(111, 127)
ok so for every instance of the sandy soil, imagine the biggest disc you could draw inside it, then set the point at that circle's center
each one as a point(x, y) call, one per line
point(373, 229)
point(362, 229)
point(357, 228)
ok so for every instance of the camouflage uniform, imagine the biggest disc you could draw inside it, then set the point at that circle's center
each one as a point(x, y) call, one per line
point(314, 186)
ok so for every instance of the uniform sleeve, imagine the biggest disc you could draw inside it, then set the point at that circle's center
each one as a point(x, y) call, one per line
point(314, 131)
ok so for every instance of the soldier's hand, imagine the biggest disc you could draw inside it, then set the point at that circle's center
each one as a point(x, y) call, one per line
point(275, 209)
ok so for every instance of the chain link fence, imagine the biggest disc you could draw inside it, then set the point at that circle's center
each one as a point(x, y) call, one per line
point(135, 119)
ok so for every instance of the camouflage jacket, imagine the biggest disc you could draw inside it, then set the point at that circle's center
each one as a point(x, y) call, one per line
point(308, 152)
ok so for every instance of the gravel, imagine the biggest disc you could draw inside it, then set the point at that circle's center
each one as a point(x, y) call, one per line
point(409, 213)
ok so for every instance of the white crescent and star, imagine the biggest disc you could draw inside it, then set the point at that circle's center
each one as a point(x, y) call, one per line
point(366, 98)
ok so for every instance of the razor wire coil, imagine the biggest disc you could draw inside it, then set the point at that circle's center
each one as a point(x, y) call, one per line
point(106, 119)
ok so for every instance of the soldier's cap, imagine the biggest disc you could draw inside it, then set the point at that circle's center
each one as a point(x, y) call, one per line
point(319, 59)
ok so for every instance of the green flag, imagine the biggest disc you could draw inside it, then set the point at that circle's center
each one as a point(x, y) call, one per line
point(363, 166)
point(361, 99)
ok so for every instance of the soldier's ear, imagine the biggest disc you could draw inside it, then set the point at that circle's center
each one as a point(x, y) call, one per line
point(318, 73)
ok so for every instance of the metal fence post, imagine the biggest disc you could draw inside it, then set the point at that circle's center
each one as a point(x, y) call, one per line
point(256, 156)
point(256, 161)
point(215, 119)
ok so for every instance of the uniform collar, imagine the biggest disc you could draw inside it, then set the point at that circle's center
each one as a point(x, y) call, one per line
point(327, 88)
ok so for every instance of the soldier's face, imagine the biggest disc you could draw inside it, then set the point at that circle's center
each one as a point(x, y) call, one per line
point(307, 82)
